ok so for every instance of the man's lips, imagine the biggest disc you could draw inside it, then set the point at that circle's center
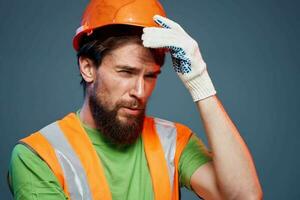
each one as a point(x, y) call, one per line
point(132, 111)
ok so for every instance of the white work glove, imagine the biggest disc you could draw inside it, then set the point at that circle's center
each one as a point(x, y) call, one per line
point(186, 56)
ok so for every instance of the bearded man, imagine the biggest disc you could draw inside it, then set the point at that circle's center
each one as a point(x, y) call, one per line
point(109, 148)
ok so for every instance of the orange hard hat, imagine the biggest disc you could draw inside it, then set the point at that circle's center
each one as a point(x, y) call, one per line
point(100, 13)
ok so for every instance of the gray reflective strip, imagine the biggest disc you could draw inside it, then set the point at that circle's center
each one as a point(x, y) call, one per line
point(69, 162)
point(167, 133)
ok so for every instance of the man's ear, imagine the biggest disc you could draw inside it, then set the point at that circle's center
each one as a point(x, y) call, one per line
point(87, 69)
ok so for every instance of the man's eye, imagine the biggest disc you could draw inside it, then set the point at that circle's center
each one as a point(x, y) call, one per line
point(125, 72)
point(151, 76)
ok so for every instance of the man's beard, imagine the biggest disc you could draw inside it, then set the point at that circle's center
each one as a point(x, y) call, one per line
point(120, 133)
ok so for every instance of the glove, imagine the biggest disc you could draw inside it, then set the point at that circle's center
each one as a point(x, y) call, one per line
point(186, 56)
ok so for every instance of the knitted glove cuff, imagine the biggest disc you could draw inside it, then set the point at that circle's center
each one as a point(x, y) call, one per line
point(200, 86)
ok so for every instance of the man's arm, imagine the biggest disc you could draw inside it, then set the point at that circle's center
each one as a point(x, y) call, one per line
point(232, 171)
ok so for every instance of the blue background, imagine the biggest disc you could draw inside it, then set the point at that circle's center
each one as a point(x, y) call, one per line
point(252, 52)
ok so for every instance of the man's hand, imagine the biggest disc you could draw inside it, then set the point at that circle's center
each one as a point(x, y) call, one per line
point(186, 56)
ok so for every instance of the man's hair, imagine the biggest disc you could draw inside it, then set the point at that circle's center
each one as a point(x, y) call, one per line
point(101, 42)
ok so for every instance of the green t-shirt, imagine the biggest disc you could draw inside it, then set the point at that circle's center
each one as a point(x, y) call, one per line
point(125, 169)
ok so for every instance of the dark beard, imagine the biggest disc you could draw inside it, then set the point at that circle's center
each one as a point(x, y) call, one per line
point(112, 128)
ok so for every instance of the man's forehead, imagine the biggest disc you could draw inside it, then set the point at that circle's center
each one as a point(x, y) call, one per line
point(133, 55)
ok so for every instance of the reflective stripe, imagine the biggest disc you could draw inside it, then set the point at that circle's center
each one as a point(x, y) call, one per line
point(167, 133)
point(73, 171)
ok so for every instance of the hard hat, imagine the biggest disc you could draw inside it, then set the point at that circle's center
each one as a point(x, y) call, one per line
point(100, 13)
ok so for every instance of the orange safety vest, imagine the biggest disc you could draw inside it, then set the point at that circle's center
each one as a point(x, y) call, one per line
point(66, 148)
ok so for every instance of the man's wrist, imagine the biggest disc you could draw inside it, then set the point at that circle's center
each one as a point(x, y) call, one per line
point(201, 87)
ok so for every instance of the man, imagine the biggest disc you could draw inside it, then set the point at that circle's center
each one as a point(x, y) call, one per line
point(109, 149)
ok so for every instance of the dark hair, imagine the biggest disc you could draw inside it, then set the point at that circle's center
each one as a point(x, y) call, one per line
point(103, 41)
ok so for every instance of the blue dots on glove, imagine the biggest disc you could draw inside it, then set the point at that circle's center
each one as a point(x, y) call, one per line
point(181, 63)
point(162, 23)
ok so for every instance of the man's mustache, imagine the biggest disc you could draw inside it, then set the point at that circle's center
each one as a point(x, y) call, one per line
point(137, 105)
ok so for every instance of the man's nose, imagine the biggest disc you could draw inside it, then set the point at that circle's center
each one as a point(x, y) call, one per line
point(138, 88)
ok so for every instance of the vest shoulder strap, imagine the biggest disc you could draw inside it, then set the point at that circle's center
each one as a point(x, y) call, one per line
point(68, 151)
point(156, 161)
point(183, 136)
point(164, 142)
point(37, 143)
point(83, 147)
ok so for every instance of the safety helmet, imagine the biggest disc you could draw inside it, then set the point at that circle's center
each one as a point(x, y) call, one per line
point(100, 13)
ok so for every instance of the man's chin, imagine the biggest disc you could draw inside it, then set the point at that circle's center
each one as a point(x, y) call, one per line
point(121, 125)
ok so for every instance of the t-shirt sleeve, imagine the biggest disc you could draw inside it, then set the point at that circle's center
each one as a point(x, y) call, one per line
point(31, 178)
point(193, 156)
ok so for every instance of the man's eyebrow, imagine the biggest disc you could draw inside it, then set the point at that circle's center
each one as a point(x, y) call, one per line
point(129, 68)
point(126, 67)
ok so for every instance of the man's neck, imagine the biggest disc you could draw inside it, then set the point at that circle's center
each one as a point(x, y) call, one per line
point(86, 114)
